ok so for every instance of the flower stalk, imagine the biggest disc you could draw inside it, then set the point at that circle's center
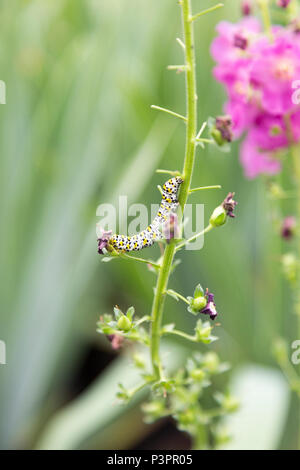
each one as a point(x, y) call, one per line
point(191, 131)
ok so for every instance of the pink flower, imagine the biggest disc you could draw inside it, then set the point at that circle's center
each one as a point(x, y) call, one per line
point(256, 161)
point(259, 76)
point(265, 137)
point(224, 48)
point(275, 67)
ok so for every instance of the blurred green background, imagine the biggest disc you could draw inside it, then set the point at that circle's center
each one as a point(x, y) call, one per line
point(76, 131)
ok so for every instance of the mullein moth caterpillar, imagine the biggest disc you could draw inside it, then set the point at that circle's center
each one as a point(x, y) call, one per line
point(153, 233)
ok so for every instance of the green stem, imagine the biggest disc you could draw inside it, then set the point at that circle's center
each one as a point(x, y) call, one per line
point(181, 334)
point(141, 260)
point(191, 129)
point(168, 111)
point(202, 188)
point(208, 10)
point(296, 162)
point(266, 17)
point(181, 297)
point(203, 232)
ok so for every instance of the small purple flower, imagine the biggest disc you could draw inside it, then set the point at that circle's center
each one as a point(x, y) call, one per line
point(224, 126)
point(229, 205)
point(246, 7)
point(288, 227)
point(103, 241)
point(210, 308)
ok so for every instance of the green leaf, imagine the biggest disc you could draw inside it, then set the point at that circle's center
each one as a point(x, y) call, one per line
point(118, 313)
point(198, 292)
point(130, 313)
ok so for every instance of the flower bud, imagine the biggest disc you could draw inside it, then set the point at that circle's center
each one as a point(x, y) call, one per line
point(199, 303)
point(197, 374)
point(288, 228)
point(124, 323)
point(218, 217)
point(283, 3)
point(230, 404)
point(211, 362)
point(246, 7)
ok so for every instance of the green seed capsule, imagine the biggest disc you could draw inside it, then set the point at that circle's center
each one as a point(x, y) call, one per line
point(199, 303)
point(124, 323)
point(218, 217)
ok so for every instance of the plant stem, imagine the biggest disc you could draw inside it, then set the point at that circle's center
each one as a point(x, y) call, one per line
point(140, 260)
point(208, 10)
point(265, 13)
point(191, 129)
point(202, 188)
point(179, 296)
point(296, 162)
point(191, 338)
point(169, 111)
point(185, 242)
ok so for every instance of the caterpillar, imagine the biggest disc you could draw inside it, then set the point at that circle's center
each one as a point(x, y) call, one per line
point(152, 233)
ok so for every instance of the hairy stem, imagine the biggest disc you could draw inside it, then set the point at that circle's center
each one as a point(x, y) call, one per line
point(191, 129)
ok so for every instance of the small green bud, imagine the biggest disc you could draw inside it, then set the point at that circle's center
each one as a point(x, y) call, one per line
point(218, 217)
point(199, 303)
point(230, 404)
point(124, 323)
point(197, 374)
point(211, 362)
point(217, 136)
point(205, 332)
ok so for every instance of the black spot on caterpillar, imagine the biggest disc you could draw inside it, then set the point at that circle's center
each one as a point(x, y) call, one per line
point(152, 233)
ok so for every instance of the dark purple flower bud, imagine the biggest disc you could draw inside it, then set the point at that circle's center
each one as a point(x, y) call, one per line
point(224, 126)
point(246, 7)
point(103, 241)
point(210, 308)
point(240, 41)
point(288, 228)
point(170, 228)
point(229, 205)
point(283, 3)
point(116, 341)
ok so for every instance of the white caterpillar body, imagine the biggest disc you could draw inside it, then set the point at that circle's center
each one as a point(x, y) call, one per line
point(152, 233)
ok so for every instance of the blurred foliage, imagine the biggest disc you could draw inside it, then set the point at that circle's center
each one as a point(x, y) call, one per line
point(77, 130)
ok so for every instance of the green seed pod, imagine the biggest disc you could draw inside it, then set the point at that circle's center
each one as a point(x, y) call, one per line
point(218, 217)
point(124, 323)
point(199, 303)
point(197, 374)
